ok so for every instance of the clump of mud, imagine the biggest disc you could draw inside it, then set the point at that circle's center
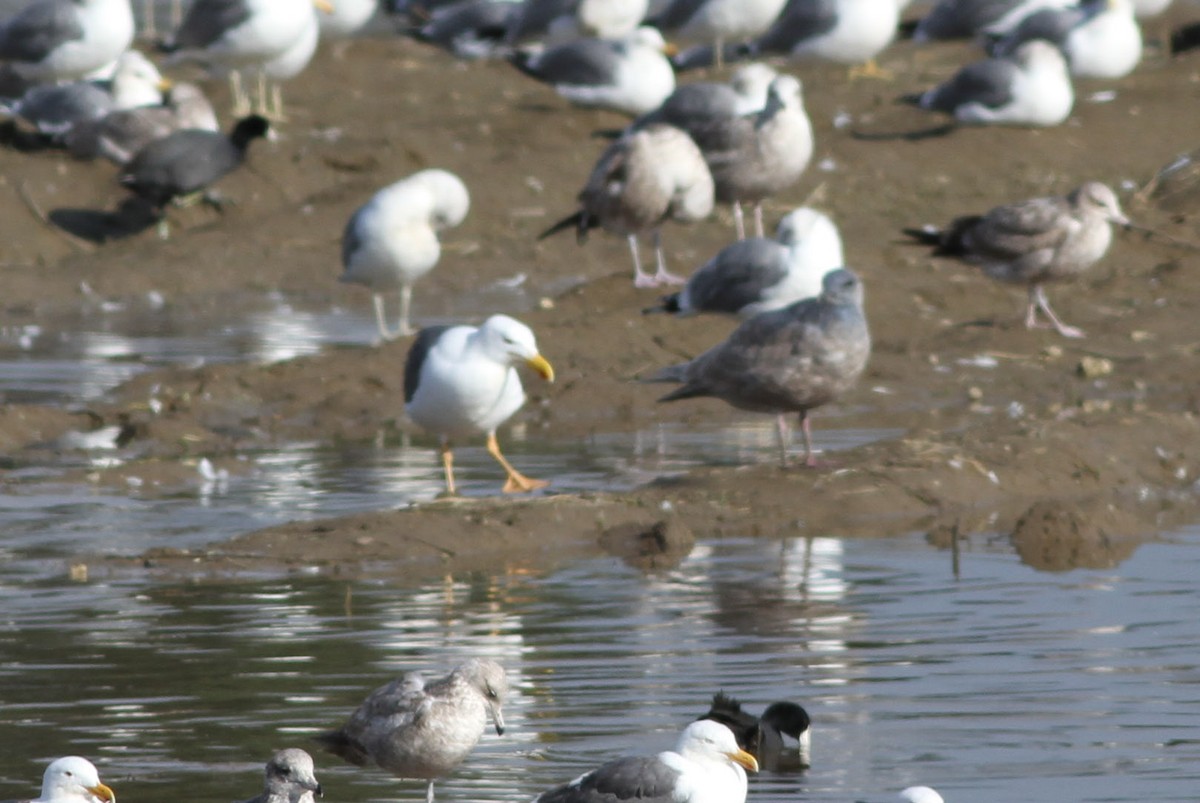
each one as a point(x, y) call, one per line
point(660, 545)
point(1057, 536)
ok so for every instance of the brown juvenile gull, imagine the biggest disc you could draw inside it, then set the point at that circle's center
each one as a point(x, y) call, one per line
point(1033, 242)
point(422, 730)
point(767, 153)
point(73, 779)
point(642, 180)
point(289, 778)
point(789, 360)
point(706, 766)
point(120, 134)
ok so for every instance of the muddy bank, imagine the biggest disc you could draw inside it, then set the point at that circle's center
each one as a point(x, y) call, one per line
point(996, 418)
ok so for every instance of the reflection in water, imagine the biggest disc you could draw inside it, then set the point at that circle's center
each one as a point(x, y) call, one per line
point(1000, 685)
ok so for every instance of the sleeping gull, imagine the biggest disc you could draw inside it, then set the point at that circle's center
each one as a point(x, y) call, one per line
point(767, 152)
point(470, 29)
point(54, 109)
point(289, 778)
point(707, 766)
point(963, 19)
point(242, 35)
point(73, 779)
point(556, 22)
point(708, 110)
point(763, 737)
point(790, 360)
point(59, 40)
point(642, 180)
point(757, 275)
point(422, 730)
point(462, 380)
point(919, 794)
point(1033, 242)
point(1032, 88)
point(850, 32)
point(1100, 38)
point(392, 240)
point(630, 75)
point(120, 134)
point(719, 21)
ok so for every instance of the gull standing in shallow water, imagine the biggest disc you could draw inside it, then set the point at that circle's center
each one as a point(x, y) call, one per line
point(1033, 242)
point(707, 766)
point(757, 275)
point(422, 730)
point(392, 240)
point(73, 779)
point(790, 360)
point(461, 380)
point(641, 181)
point(289, 778)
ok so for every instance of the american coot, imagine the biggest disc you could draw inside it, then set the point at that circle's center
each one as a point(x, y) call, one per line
point(289, 778)
point(422, 730)
point(461, 380)
point(707, 764)
point(189, 161)
point(1033, 242)
point(762, 736)
point(790, 360)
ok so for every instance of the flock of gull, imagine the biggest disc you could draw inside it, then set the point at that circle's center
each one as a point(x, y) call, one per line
point(422, 730)
point(803, 338)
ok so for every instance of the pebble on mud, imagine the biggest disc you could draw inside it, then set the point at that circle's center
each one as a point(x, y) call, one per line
point(1093, 367)
point(660, 545)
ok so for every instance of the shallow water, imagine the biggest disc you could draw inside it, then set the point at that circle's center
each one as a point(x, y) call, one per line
point(1000, 684)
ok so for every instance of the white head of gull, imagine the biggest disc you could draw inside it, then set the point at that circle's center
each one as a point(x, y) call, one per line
point(1034, 242)
point(630, 75)
point(642, 180)
point(919, 794)
point(766, 153)
point(706, 766)
point(793, 359)
point(392, 240)
point(414, 729)
point(73, 779)
point(59, 40)
point(757, 274)
point(1032, 87)
point(289, 778)
point(460, 381)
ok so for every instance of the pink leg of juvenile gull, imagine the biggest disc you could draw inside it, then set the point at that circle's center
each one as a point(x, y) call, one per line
point(1038, 300)
point(661, 274)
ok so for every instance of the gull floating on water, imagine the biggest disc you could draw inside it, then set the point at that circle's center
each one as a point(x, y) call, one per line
point(61, 40)
point(767, 152)
point(630, 75)
point(289, 778)
point(392, 240)
point(707, 766)
point(1100, 38)
point(641, 181)
point(757, 275)
point(1031, 88)
point(73, 779)
point(763, 737)
point(460, 381)
point(708, 111)
point(919, 794)
point(420, 730)
point(790, 360)
point(1034, 242)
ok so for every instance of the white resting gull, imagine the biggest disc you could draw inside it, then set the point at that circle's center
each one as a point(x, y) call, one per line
point(60, 40)
point(73, 779)
point(706, 766)
point(1100, 38)
point(392, 240)
point(461, 381)
point(919, 794)
point(1033, 242)
point(757, 274)
point(415, 729)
